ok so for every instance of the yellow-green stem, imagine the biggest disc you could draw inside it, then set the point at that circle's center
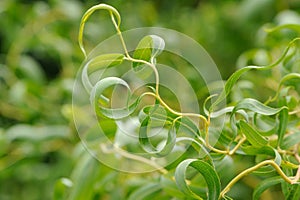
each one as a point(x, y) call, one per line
point(251, 169)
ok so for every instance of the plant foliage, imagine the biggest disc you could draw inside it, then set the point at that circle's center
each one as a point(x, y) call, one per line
point(264, 130)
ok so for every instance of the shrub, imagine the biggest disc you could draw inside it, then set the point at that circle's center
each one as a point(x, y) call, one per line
point(259, 142)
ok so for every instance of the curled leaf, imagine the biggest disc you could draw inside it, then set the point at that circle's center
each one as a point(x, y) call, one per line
point(104, 61)
point(112, 113)
point(283, 81)
point(254, 106)
point(99, 62)
point(148, 49)
point(235, 76)
point(206, 170)
point(146, 143)
point(295, 27)
point(257, 107)
point(252, 135)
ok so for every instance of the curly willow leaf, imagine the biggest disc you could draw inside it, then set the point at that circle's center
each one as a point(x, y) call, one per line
point(113, 13)
point(254, 106)
point(235, 76)
point(252, 135)
point(206, 170)
point(282, 82)
point(112, 113)
point(150, 116)
point(97, 63)
point(148, 48)
point(284, 118)
point(146, 143)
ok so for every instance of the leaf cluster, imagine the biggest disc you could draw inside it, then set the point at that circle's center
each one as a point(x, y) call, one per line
point(265, 131)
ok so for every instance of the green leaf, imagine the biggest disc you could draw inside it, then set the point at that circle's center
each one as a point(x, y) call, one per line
point(264, 185)
point(148, 48)
point(156, 112)
point(104, 61)
point(290, 140)
point(286, 187)
point(169, 186)
point(146, 143)
point(199, 148)
point(292, 102)
point(236, 75)
point(145, 191)
point(112, 113)
point(255, 106)
point(252, 135)
point(283, 122)
point(264, 150)
point(295, 27)
point(37, 134)
point(283, 81)
point(221, 112)
point(289, 77)
point(206, 170)
point(99, 62)
point(265, 125)
point(60, 188)
point(84, 177)
point(294, 192)
point(187, 126)
point(258, 56)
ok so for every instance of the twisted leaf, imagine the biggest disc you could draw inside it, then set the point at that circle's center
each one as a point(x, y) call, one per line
point(99, 62)
point(206, 170)
point(146, 143)
point(112, 113)
point(252, 135)
point(148, 48)
point(255, 106)
point(235, 76)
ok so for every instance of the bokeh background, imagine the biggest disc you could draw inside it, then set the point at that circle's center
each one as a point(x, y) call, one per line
point(39, 59)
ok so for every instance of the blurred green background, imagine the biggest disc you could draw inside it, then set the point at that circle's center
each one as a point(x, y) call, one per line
point(39, 58)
